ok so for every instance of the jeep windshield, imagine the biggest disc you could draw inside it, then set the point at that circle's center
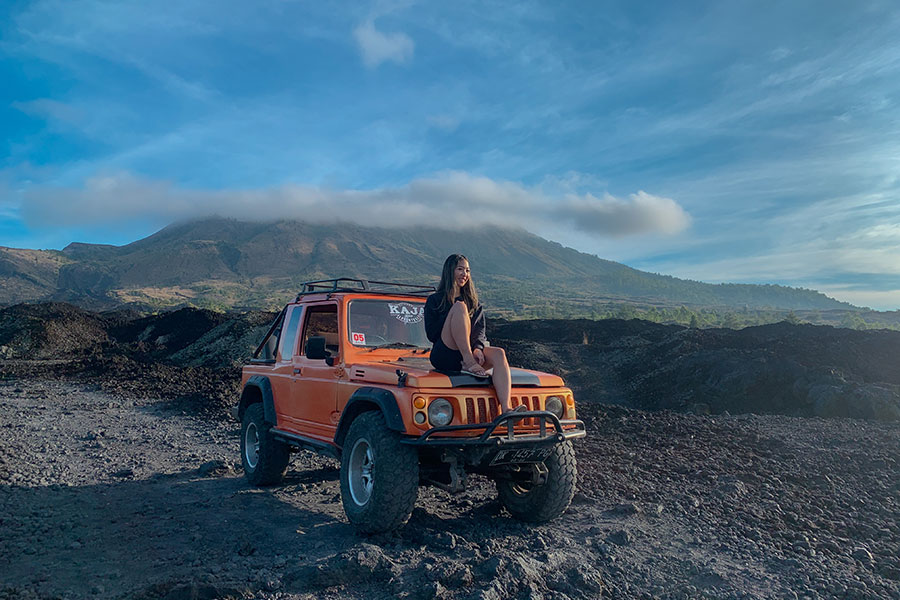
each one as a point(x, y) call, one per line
point(395, 324)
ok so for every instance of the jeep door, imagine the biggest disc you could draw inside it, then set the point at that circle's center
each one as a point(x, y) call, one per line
point(280, 373)
point(314, 381)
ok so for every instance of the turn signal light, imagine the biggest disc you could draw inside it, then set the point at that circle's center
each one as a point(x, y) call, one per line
point(419, 402)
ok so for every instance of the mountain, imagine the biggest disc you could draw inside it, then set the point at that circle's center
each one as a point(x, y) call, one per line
point(28, 274)
point(231, 263)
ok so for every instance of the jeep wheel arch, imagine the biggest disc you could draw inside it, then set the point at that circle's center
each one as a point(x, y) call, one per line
point(258, 389)
point(365, 399)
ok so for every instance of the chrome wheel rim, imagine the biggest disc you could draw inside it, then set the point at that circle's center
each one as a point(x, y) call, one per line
point(251, 445)
point(362, 463)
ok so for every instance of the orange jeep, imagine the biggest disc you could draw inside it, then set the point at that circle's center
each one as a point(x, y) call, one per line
point(344, 371)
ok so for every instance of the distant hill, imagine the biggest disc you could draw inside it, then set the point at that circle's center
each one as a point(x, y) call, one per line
point(228, 263)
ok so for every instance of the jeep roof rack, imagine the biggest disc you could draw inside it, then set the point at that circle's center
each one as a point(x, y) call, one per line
point(344, 284)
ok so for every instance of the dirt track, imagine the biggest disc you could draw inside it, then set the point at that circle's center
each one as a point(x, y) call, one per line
point(111, 494)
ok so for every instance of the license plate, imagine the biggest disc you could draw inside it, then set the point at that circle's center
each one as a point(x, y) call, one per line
point(521, 455)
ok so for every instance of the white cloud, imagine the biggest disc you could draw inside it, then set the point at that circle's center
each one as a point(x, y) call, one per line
point(779, 54)
point(451, 199)
point(444, 122)
point(9, 213)
point(377, 47)
point(854, 239)
point(803, 261)
point(49, 109)
point(878, 300)
point(640, 213)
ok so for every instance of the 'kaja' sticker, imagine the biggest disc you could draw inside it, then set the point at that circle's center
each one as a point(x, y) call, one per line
point(358, 339)
point(407, 312)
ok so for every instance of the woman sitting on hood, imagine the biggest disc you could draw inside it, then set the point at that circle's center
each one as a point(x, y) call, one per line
point(454, 323)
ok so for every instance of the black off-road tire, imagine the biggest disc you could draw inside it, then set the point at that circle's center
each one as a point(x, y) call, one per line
point(379, 475)
point(541, 503)
point(271, 456)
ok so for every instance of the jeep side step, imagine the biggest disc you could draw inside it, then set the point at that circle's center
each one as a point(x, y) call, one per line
point(305, 443)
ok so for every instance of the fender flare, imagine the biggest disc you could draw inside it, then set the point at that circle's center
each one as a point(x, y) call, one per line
point(261, 383)
point(366, 399)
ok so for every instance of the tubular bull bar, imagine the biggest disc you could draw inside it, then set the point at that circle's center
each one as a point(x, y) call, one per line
point(551, 430)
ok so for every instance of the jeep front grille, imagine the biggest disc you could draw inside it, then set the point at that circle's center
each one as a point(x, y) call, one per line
point(486, 409)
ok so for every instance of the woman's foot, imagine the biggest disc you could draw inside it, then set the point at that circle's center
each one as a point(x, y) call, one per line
point(473, 368)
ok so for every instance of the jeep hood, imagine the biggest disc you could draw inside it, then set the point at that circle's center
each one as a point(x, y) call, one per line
point(420, 373)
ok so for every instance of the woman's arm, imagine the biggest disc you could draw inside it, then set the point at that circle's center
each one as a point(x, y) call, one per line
point(478, 338)
point(434, 320)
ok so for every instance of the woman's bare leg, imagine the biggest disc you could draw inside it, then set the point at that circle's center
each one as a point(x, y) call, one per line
point(495, 358)
point(456, 332)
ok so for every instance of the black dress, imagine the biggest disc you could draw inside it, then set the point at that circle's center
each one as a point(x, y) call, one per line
point(442, 357)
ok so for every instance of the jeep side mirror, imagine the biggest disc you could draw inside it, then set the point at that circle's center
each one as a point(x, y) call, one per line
point(315, 348)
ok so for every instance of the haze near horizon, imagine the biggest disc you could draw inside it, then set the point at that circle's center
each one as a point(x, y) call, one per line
point(746, 142)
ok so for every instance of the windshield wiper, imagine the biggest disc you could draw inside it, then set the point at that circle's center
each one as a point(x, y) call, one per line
point(396, 345)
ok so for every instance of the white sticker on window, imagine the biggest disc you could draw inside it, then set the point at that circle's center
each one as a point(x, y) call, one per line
point(358, 338)
point(407, 312)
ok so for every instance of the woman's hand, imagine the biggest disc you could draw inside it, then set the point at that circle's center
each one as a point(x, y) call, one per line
point(479, 356)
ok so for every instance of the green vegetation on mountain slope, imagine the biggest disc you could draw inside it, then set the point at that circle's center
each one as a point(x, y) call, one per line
point(223, 263)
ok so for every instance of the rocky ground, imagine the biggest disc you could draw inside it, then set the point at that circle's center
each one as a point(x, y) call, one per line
point(783, 368)
point(107, 494)
point(120, 476)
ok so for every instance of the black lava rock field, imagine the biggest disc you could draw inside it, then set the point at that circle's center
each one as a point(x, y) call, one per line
point(761, 463)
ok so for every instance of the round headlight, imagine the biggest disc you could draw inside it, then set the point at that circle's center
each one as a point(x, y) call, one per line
point(440, 412)
point(555, 405)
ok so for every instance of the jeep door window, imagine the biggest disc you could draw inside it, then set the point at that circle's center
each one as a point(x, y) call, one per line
point(322, 321)
point(385, 323)
point(290, 333)
point(269, 346)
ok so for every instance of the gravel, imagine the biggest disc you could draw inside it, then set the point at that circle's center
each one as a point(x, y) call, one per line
point(120, 476)
point(105, 493)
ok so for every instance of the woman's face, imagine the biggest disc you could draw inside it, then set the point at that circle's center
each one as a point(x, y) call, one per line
point(461, 273)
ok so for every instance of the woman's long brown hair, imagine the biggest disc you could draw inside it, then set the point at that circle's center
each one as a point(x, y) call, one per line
point(445, 287)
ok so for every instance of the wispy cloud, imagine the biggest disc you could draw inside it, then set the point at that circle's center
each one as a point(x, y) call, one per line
point(448, 200)
point(444, 122)
point(876, 299)
point(846, 247)
point(50, 109)
point(377, 47)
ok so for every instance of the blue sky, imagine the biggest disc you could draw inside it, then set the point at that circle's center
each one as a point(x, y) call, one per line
point(718, 141)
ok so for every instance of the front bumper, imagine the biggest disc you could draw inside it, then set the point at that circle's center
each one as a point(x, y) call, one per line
point(551, 430)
